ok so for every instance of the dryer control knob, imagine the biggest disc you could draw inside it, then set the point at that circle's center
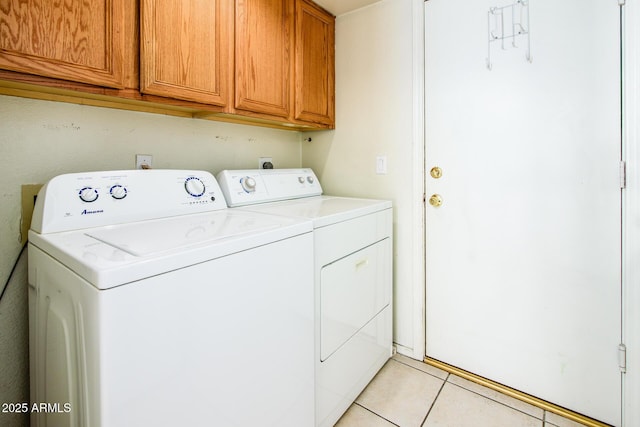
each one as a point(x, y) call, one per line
point(88, 194)
point(194, 186)
point(248, 184)
point(301, 179)
point(310, 179)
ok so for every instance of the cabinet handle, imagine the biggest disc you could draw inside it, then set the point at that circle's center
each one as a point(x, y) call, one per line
point(362, 263)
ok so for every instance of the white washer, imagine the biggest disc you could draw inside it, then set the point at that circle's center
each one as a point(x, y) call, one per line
point(152, 304)
point(352, 276)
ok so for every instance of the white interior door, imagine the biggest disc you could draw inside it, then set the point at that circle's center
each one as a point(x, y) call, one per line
point(524, 254)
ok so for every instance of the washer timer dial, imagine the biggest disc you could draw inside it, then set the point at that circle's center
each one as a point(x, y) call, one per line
point(118, 192)
point(194, 186)
point(88, 194)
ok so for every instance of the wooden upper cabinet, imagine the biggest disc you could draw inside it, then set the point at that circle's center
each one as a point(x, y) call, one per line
point(314, 64)
point(186, 49)
point(269, 62)
point(263, 53)
point(81, 41)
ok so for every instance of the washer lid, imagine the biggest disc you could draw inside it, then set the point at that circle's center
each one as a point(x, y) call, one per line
point(323, 210)
point(114, 255)
point(152, 237)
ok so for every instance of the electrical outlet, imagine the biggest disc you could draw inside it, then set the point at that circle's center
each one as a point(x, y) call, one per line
point(144, 161)
point(29, 194)
point(265, 163)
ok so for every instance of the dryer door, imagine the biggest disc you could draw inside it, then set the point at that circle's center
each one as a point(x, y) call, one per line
point(353, 290)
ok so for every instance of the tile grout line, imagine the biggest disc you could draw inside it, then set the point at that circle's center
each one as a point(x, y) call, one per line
point(376, 414)
point(446, 380)
point(549, 407)
point(434, 400)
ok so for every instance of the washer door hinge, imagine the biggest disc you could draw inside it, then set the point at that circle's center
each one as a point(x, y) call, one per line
point(622, 358)
point(623, 174)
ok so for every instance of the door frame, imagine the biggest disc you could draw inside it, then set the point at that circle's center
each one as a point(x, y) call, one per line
point(631, 211)
point(631, 202)
point(419, 185)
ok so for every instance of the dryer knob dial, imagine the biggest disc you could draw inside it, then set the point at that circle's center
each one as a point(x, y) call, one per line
point(248, 184)
point(194, 186)
point(310, 179)
point(301, 179)
point(88, 194)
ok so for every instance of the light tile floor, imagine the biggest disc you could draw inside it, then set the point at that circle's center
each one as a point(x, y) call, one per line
point(409, 393)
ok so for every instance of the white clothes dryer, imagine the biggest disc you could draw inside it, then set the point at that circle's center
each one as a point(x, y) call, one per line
point(152, 304)
point(352, 276)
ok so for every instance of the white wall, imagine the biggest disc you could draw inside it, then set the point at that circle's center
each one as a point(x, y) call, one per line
point(41, 139)
point(375, 117)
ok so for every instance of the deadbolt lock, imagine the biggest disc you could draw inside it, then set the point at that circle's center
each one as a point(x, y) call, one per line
point(435, 200)
point(436, 172)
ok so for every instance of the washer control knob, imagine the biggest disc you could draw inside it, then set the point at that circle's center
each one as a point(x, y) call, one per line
point(310, 179)
point(194, 186)
point(301, 179)
point(248, 184)
point(88, 194)
point(118, 192)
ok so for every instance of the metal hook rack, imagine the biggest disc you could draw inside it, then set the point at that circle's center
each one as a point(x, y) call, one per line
point(508, 23)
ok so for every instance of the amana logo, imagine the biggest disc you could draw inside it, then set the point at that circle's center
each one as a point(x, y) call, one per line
point(86, 212)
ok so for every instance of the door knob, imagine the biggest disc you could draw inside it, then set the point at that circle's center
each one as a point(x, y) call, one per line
point(436, 172)
point(435, 200)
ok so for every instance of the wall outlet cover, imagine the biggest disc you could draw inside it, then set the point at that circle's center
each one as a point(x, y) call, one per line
point(144, 161)
point(265, 161)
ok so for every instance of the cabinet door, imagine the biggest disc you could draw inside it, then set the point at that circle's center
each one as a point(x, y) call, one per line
point(186, 49)
point(264, 41)
point(314, 64)
point(80, 41)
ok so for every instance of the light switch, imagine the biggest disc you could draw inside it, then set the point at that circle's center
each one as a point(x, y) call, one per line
point(381, 165)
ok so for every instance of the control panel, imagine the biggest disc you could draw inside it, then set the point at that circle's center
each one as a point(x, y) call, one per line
point(251, 186)
point(83, 200)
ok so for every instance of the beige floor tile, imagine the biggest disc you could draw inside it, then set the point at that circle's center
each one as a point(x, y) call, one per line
point(494, 395)
point(421, 365)
point(458, 407)
point(357, 416)
point(554, 420)
point(401, 394)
